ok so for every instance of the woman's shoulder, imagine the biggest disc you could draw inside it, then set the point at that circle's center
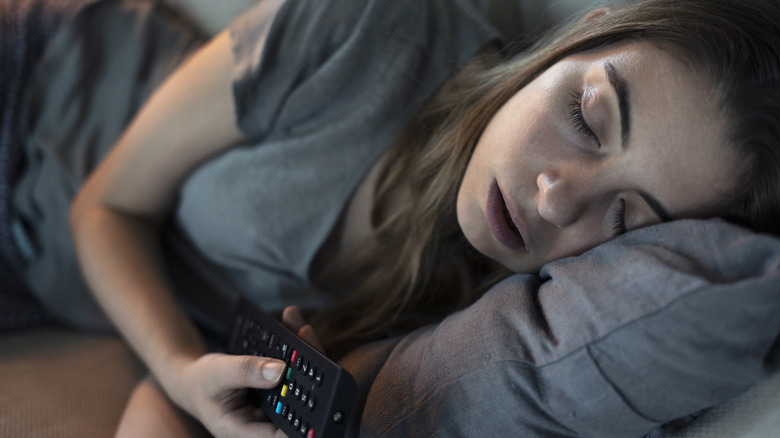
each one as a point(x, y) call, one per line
point(329, 23)
point(319, 54)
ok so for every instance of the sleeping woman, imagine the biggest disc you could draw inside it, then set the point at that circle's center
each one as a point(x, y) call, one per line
point(381, 164)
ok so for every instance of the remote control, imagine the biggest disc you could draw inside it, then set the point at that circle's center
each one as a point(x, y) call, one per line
point(315, 396)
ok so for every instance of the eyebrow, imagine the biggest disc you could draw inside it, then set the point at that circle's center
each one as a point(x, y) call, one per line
point(656, 206)
point(621, 91)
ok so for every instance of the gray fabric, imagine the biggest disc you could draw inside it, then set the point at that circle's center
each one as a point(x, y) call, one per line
point(26, 27)
point(94, 76)
point(658, 324)
point(755, 414)
point(335, 84)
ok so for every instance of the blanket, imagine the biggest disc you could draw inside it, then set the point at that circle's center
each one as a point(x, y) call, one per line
point(26, 27)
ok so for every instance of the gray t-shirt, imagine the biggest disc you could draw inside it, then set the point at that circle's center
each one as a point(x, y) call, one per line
point(335, 84)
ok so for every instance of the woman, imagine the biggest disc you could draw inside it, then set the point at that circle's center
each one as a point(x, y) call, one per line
point(631, 117)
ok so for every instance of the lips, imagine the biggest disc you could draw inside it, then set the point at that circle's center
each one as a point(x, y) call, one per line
point(508, 218)
point(500, 221)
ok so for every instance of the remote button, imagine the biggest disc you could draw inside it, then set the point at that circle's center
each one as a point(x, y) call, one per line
point(265, 336)
point(294, 404)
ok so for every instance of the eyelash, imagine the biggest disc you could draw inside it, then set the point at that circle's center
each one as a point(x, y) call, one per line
point(619, 225)
point(578, 118)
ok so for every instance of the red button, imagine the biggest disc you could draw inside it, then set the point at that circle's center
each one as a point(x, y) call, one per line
point(294, 357)
point(310, 434)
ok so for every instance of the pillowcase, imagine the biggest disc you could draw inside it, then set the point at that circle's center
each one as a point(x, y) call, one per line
point(660, 323)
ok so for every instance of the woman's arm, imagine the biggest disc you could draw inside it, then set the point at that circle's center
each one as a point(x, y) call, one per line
point(117, 215)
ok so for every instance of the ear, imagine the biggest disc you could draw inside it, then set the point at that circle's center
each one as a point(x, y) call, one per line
point(596, 13)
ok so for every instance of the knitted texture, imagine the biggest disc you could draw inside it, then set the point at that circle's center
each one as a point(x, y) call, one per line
point(26, 26)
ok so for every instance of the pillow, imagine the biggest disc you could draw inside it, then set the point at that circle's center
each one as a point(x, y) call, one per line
point(660, 323)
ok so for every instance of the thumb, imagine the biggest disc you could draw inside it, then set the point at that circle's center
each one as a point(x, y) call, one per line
point(272, 370)
point(247, 372)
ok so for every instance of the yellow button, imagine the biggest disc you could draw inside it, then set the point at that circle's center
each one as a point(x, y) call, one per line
point(284, 391)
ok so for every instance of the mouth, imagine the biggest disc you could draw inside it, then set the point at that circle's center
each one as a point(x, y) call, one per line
point(500, 222)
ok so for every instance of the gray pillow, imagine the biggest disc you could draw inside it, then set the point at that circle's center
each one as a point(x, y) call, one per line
point(663, 322)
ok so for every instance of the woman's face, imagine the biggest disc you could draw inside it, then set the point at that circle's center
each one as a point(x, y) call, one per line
point(601, 143)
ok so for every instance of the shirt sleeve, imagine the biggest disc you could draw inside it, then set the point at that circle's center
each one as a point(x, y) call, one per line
point(325, 53)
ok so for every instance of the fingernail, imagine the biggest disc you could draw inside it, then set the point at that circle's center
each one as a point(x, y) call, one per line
point(272, 371)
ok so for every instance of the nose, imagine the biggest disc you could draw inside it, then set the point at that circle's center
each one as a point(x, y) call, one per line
point(566, 194)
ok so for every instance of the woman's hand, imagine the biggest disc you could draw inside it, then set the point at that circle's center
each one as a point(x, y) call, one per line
point(216, 386)
point(215, 391)
point(293, 319)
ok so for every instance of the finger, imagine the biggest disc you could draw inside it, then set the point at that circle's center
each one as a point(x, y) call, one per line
point(259, 415)
point(247, 423)
point(307, 334)
point(235, 372)
point(237, 427)
point(263, 430)
point(293, 318)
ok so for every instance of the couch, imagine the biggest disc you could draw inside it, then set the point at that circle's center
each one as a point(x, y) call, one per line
point(63, 382)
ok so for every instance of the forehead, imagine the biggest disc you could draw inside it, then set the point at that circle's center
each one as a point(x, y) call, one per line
point(677, 148)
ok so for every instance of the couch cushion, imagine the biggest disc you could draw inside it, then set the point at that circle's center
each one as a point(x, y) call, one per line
point(58, 383)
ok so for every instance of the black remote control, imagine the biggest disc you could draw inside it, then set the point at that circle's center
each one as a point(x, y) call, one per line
point(315, 397)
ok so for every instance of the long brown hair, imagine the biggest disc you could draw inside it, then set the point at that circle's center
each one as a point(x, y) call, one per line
point(418, 267)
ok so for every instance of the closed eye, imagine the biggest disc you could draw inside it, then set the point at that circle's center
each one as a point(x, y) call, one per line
point(578, 118)
point(619, 223)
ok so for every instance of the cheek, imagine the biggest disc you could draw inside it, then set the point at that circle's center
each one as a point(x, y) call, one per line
point(507, 143)
point(574, 241)
point(462, 204)
point(533, 137)
point(467, 204)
